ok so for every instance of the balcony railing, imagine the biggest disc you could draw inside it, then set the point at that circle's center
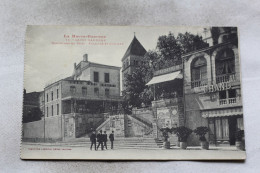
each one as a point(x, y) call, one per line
point(226, 78)
point(90, 96)
point(228, 101)
point(199, 83)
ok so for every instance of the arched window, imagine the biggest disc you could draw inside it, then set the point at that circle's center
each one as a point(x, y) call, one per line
point(199, 72)
point(225, 66)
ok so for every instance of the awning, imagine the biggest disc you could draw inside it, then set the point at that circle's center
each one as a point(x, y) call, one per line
point(165, 77)
point(222, 112)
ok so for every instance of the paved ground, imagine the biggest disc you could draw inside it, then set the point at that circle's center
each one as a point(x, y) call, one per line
point(45, 151)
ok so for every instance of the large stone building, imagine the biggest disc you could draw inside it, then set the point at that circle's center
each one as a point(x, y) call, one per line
point(212, 88)
point(132, 58)
point(75, 105)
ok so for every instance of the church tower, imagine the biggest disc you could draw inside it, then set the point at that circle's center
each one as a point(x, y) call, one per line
point(132, 58)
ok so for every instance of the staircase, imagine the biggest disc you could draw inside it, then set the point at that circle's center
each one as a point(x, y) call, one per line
point(119, 143)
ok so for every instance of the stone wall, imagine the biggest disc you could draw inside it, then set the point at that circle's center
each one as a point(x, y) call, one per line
point(53, 128)
point(135, 128)
point(33, 131)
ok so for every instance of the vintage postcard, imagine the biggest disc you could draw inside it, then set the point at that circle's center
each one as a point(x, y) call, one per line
point(132, 93)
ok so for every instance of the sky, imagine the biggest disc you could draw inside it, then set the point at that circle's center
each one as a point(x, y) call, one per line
point(48, 58)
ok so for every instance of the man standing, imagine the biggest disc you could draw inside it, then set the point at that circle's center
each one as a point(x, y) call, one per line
point(93, 139)
point(105, 139)
point(111, 137)
point(99, 140)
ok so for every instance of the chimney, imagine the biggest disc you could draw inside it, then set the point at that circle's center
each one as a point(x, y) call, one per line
point(85, 58)
point(75, 65)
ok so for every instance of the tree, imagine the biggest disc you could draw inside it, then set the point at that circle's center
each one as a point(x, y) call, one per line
point(168, 53)
point(33, 114)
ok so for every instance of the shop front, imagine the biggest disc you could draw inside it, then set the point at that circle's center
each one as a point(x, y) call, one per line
point(224, 124)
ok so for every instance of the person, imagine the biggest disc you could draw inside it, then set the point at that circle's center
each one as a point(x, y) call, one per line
point(111, 137)
point(93, 139)
point(105, 139)
point(99, 140)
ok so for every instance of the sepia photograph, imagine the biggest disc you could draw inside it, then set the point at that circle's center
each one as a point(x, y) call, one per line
point(132, 93)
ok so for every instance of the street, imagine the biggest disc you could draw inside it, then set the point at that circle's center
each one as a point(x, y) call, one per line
point(81, 152)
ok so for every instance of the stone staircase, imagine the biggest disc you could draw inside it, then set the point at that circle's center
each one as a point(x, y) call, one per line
point(119, 143)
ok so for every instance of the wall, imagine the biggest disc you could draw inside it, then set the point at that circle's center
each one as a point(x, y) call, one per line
point(33, 131)
point(114, 123)
point(56, 100)
point(135, 128)
point(53, 128)
point(66, 84)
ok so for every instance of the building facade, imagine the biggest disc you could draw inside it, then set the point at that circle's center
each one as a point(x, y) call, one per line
point(78, 103)
point(212, 89)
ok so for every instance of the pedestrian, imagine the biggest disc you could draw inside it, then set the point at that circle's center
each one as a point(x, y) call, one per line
point(105, 139)
point(99, 140)
point(111, 137)
point(93, 139)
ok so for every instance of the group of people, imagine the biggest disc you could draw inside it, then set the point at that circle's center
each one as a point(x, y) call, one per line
point(101, 139)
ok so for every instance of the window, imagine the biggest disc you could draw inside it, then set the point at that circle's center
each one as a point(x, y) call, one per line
point(47, 111)
point(58, 109)
point(96, 91)
point(47, 98)
point(106, 77)
point(107, 92)
point(51, 110)
point(84, 91)
point(96, 77)
point(227, 97)
point(57, 93)
point(199, 72)
point(52, 95)
point(225, 66)
point(72, 89)
point(127, 63)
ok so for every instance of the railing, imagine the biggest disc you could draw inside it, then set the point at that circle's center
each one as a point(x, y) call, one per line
point(90, 96)
point(199, 83)
point(229, 101)
point(226, 78)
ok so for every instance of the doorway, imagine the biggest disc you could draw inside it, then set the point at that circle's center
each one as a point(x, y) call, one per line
point(232, 121)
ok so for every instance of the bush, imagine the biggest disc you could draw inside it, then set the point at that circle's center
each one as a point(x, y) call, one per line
point(239, 135)
point(201, 132)
point(183, 133)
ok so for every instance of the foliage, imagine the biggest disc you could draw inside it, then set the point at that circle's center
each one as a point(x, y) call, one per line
point(183, 133)
point(135, 86)
point(239, 135)
point(201, 132)
point(34, 114)
point(168, 52)
point(165, 132)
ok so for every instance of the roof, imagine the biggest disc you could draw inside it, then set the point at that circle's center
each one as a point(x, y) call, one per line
point(135, 48)
point(165, 77)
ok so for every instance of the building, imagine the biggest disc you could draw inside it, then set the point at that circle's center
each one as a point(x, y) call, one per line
point(76, 104)
point(212, 88)
point(132, 58)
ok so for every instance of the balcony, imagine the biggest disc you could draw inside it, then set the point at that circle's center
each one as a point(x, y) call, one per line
point(226, 78)
point(199, 83)
point(229, 101)
point(90, 96)
point(167, 102)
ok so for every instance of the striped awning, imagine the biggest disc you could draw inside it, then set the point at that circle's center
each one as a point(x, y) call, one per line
point(165, 77)
point(222, 112)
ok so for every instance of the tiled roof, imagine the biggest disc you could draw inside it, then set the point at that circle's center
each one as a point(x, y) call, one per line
point(135, 48)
